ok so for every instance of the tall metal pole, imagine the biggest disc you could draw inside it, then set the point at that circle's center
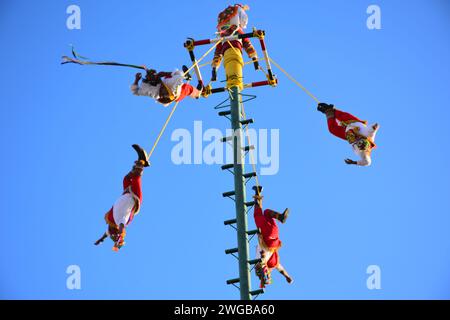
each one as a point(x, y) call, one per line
point(234, 64)
point(239, 187)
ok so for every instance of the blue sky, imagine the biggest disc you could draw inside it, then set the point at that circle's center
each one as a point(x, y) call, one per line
point(66, 133)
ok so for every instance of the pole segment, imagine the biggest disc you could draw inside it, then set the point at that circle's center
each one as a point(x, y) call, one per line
point(234, 64)
point(239, 187)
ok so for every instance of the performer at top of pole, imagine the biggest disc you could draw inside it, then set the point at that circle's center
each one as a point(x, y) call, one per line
point(233, 20)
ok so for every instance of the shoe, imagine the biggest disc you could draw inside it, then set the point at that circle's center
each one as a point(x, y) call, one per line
point(142, 155)
point(283, 217)
point(258, 189)
point(324, 107)
point(187, 75)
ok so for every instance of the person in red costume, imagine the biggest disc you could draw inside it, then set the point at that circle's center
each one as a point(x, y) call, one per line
point(165, 87)
point(268, 240)
point(128, 204)
point(232, 21)
point(355, 131)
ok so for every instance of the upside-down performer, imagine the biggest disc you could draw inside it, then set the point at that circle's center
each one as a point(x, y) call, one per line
point(165, 87)
point(128, 204)
point(358, 133)
point(232, 21)
point(268, 240)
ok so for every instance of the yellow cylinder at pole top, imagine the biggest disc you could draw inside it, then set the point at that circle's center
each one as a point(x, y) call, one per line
point(233, 63)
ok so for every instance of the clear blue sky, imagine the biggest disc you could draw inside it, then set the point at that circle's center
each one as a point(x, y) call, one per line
point(66, 133)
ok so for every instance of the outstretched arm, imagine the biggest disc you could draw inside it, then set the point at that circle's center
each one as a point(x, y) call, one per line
point(104, 236)
point(121, 239)
point(283, 271)
point(135, 85)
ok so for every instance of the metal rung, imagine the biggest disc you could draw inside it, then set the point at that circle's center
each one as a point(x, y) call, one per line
point(250, 203)
point(231, 251)
point(225, 139)
point(249, 175)
point(254, 261)
point(224, 113)
point(247, 121)
point(248, 148)
point(233, 281)
point(228, 222)
point(227, 166)
point(252, 232)
point(256, 292)
point(229, 194)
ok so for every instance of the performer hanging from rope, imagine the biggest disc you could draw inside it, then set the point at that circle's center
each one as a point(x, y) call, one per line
point(127, 206)
point(268, 240)
point(348, 127)
point(165, 87)
point(233, 20)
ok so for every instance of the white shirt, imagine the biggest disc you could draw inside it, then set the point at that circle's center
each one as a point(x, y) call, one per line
point(173, 83)
point(368, 132)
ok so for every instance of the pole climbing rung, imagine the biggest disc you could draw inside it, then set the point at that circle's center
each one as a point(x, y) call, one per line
point(233, 281)
point(257, 292)
point(247, 121)
point(228, 222)
point(227, 166)
point(225, 139)
point(250, 203)
point(252, 232)
point(249, 175)
point(224, 113)
point(248, 148)
point(228, 194)
point(231, 251)
point(254, 261)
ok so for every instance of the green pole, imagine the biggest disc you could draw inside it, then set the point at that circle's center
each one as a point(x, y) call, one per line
point(239, 187)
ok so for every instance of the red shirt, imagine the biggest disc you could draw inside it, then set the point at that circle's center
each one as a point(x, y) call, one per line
point(268, 226)
point(135, 183)
point(246, 44)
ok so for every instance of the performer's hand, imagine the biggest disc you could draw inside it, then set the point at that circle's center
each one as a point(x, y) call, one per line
point(289, 279)
point(350, 161)
point(98, 242)
point(138, 76)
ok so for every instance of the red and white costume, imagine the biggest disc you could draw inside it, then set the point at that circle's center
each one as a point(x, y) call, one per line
point(348, 127)
point(174, 82)
point(233, 20)
point(127, 205)
point(268, 239)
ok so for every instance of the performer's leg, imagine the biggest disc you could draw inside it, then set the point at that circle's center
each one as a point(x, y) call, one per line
point(282, 217)
point(333, 126)
point(345, 116)
point(188, 90)
point(283, 271)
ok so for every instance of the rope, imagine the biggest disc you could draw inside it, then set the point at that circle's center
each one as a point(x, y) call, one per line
point(295, 81)
point(202, 57)
point(252, 159)
point(161, 132)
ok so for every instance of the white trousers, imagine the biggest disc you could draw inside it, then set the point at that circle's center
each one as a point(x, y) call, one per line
point(123, 208)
